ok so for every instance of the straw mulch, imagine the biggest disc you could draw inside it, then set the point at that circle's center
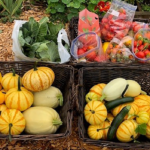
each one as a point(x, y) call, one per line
point(71, 143)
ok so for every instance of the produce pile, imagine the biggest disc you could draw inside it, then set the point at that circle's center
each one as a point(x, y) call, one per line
point(28, 103)
point(117, 110)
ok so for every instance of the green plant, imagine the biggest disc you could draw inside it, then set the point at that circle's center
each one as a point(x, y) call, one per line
point(64, 10)
point(11, 9)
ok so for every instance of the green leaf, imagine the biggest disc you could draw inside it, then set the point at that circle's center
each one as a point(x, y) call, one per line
point(53, 52)
point(82, 7)
point(16, 6)
point(94, 1)
point(53, 0)
point(66, 1)
point(141, 129)
point(53, 11)
point(43, 47)
point(76, 4)
point(21, 39)
point(60, 8)
point(71, 15)
point(1, 31)
point(28, 39)
point(91, 7)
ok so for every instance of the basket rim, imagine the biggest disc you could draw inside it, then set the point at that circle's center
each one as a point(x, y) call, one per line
point(69, 111)
point(110, 144)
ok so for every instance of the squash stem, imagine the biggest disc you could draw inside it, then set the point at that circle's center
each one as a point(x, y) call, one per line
point(143, 92)
point(60, 98)
point(10, 126)
point(13, 71)
point(103, 97)
point(57, 122)
point(103, 128)
point(134, 140)
point(35, 66)
point(19, 88)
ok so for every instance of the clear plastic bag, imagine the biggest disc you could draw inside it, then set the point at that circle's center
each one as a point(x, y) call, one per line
point(136, 26)
point(117, 20)
point(120, 50)
point(141, 45)
point(63, 52)
point(87, 47)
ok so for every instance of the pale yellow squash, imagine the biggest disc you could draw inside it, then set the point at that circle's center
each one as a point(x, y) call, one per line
point(41, 120)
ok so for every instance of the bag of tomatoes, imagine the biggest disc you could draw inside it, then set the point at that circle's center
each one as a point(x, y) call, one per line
point(117, 21)
point(119, 50)
point(141, 45)
point(87, 47)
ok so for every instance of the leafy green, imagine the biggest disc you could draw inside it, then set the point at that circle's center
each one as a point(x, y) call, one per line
point(39, 39)
point(141, 129)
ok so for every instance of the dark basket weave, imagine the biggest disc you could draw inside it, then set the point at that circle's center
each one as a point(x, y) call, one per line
point(64, 80)
point(73, 31)
point(90, 76)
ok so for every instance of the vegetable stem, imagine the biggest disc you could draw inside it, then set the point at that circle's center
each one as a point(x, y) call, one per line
point(13, 71)
point(143, 92)
point(19, 87)
point(103, 97)
point(57, 122)
point(103, 128)
point(10, 126)
point(60, 98)
point(35, 66)
point(92, 111)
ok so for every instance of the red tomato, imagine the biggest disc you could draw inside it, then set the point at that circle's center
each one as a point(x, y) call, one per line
point(135, 43)
point(106, 26)
point(123, 11)
point(136, 50)
point(141, 47)
point(139, 42)
point(140, 54)
point(80, 51)
point(84, 49)
point(139, 37)
point(110, 17)
point(91, 56)
point(137, 28)
point(97, 59)
point(104, 20)
point(146, 52)
point(146, 45)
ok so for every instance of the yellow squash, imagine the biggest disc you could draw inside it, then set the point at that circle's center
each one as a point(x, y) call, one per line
point(3, 107)
point(110, 117)
point(19, 98)
point(105, 125)
point(38, 79)
point(143, 102)
point(95, 92)
point(41, 120)
point(10, 80)
point(12, 122)
point(95, 112)
point(126, 131)
point(142, 117)
point(95, 132)
point(133, 111)
point(2, 97)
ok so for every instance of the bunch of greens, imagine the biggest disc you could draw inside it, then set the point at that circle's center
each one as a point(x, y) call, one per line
point(39, 39)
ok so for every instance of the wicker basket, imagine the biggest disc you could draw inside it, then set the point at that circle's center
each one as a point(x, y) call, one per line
point(89, 76)
point(64, 80)
point(73, 31)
